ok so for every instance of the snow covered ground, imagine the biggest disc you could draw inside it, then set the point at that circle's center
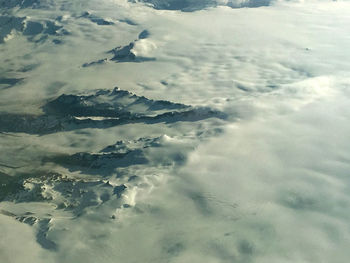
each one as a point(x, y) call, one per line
point(174, 131)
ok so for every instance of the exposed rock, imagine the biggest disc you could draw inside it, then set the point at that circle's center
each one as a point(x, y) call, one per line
point(98, 62)
point(36, 31)
point(144, 34)
point(103, 109)
point(124, 53)
point(9, 24)
point(194, 5)
point(97, 20)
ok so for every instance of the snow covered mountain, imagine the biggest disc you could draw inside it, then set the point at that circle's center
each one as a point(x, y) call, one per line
point(174, 131)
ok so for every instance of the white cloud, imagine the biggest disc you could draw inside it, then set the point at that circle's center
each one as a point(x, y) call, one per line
point(272, 187)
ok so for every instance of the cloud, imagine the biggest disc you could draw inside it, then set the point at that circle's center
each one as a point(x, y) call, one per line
point(255, 170)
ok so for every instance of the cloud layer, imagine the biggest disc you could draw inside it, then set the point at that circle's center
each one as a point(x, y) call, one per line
point(227, 140)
